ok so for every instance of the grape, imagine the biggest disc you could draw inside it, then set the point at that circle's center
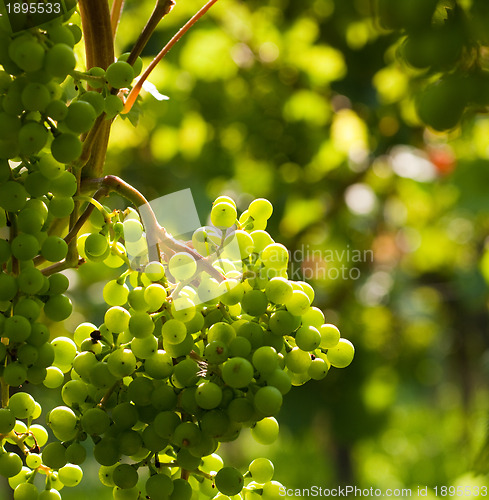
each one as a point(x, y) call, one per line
point(283, 323)
point(155, 296)
point(53, 455)
point(139, 391)
point(76, 453)
point(58, 308)
point(260, 209)
point(10, 464)
point(136, 299)
point(182, 266)
point(61, 206)
point(318, 369)
point(106, 451)
point(160, 486)
point(307, 338)
point(265, 360)
point(127, 494)
point(26, 491)
point(261, 470)
point(74, 392)
point(181, 490)
point(265, 431)
point(54, 377)
point(60, 61)
point(70, 475)
point(275, 256)
point(30, 220)
point(187, 434)
point(268, 400)
point(159, 365)
point(297, 360)
point(141, 324)
point(31, 280)
point(298, 303)
point(121, 363)
point(173, 331)
point(223, 214)
point(119, 74)
point(254, 303)
point(54, 249)
point(17, 328)
point(125, 476)
point(278, 290)
point(51, 494)
point(154, 271)
point(341, 355)
point(95, 99)
point(13, 196)
point(125, 415)
point(62, 421)
point(32, 138)
point(117, 319)
point(66, 148)
point(57, 110)
point(330, 336)
point(237, 372)
point(58, 283)
point(113, 106)
point(145, 347)
point(229, 481)
point(208, 395)
point(81, 116)
point(163, 397)
point(5, 251)
point(7, 420)
point(186, 372)
point(222, 332)
point(8, 286)
point(28, 55)
point(35, 97)
point(22, 405)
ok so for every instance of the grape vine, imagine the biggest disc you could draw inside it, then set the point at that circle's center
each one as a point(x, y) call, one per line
point(199, 340)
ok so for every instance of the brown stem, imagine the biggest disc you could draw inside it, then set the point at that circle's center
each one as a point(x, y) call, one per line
point(131, 98)
point(115, 15)
point(162, 8)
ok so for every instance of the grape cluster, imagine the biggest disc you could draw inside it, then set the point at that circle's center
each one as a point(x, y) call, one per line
point(187, 356)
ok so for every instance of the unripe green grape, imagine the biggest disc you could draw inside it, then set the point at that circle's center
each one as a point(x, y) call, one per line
point(173, 331)
point(115, 294)
point(121, 363)
point(141, 324)
point(22, 405)
point(283, 323)
point(261, 470)
point(25, 246)
point(341, 355)
point(60, 61)
point(223, 214)
point(229, 481)
point(33, 460)
point(26, 491)
point(313, 317)
point(13, 196)
point(318, 369)
point(76, 453)
point(275, 256)
point(31, 280)
point(133, 230)
point(278, 290)
point(145, 347)
point(265, 360)
point(117, 319)
point(84, 363)
point(61, 34)
point(139, 391)
point(62, 421)
point(95, 99)
point(19, 478)
point(5, 251)
point(53, 455)
point(106, 451)
point(297, 360)
point(307, 338)
point(7, 420)
point(57, 110)
point(30, 220)
point(113, 260)
point(268, 400)
point(330, 336)
point(279, 379)
point(113, 106)
point(208, 395)
point(27, 355)
point(66, 148)
point(136, 299)
point(81, 116)
point(181, 491)
point(137, 66)
point(216, 352)
point(160, 486)
point(74, 392)
point(265, 431)
point(222, 332)
point(58, 308)
point(125, 476)
point(272, 490)
point(70, 475)
point(8, 286)
point(298, 303)
point(36, 184)
point(64, 184)
point(130, 442)
point(51, 494)
point(186, 372)
point(54, 377)
point(187, 434)
point(10, 464)
point(54, 249)
point(154, 271)
point(251, 331)
point(61, 206)
point(237, 372)
point(45, 353)
point(155, 296)
point(35, 97)
point(17, 328)
point(159, 365)
point(32, 138)
point(119, 74)
point(208, 290)
point(254, 302)
point(182, 266)
point(58, 283)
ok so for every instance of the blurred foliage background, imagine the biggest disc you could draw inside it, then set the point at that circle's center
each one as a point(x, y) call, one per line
point(309, 105)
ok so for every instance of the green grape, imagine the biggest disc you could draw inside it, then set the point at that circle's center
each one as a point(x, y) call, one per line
point(81, 116)
point(113, 106)
point(76, 453)
point(119, 74)
point(45, 353)
point(181, 490)
point(265, 431)
point(133, 230)
point(115, 294)
point(61, 206)
point(66, 148)
point(31, 280)
point(70, 475)
point(35, 97)
point(10, 464)
point(54, 249)
point(7, 420)
point(187, 434)
point(62, 421)
point(121, 362)
point(208, 395)
point(163, 397)
point(159, 365)
point(278, 290)
point(51, 494)
point(57, 110)
point(137, 66)
point(240, 410)
point(283, 323)
point(106, 451)
point(117, 319)
point(173, 331)
point(58, 283)
point(186, 460)
point(240, 347)
point(54, 377)
point(60, 61)
point(27, 355)
point(222, 332)
point(216, 352)
point(182, 266)
point(5, 251)
point(208, 290)
point(254, 302)
point(238, 245)
point(261, 470)
point(126, 494)
point(186, 372)
point(275, 256)
point(155, 296)
point(229, 481)
point(32, 138)
point(30, 220)
point(74, 392)
point(260, 209)
point(297, 360)
point(141, 324)
point(130, 442)
point(8, 286)
point(136, 299)
point(165, 423)
point(298, 303)
point(237, 372)
point(105, 475)
point(139, 391)
point(330, 336)
point(151, 440)
point(223, 214)
point(17, 328)
point(22, 405)
point(251, 331)
point(26, 491)
point(13, 196)
point(265, 360)
point(183, 309)
point(53, 455)
point(160, 486)
point(58, 308)
point(341, 355)
point(125, 476)
point(33, 460)
point(268, 400)
point(145, 347)
point(307, 338)
point(95, 99)
point(25, 247)
point(96, 244)
point(318, 369)
point(125, 415)
point(154, 271)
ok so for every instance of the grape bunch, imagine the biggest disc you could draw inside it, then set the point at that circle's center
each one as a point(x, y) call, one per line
point(188, 356)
